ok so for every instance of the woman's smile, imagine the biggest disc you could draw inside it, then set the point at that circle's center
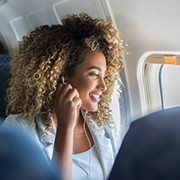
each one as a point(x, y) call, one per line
point(95, 97)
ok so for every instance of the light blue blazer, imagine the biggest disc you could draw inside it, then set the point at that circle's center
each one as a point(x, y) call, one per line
point(107, 140)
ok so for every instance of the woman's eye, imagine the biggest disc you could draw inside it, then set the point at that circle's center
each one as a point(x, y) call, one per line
point(95, 75)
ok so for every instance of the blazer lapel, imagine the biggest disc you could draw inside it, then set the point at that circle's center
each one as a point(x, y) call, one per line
point(103, 146)
point(105, 153)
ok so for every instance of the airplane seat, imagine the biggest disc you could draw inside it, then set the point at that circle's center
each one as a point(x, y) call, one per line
point(4, 76)
point(22, 159)
point(151, 148)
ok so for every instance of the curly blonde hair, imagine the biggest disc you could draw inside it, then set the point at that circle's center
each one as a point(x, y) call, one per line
point(49, 51)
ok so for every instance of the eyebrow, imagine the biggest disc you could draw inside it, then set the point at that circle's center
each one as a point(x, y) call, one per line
point(95, 67)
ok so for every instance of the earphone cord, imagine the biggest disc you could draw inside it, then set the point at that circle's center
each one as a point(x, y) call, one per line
point(89, 145)
point(89, 174)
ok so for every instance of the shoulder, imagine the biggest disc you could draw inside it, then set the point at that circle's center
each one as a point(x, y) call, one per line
point(15, 121)
point(32, 127)
point(110, 131)
point(114, 133)
point(19, 121)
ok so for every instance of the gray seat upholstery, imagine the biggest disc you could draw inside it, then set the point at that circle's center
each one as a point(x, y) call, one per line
point(4, 76)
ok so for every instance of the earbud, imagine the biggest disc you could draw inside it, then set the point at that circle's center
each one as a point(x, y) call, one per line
point(63, 80)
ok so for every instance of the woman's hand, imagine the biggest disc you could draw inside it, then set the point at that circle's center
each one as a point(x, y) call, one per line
point(67, 104)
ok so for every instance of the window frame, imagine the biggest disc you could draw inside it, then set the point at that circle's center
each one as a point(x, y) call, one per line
point(145, 81)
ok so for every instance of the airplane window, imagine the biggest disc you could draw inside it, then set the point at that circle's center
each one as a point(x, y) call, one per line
point(161, 81)
point(121, 107)
point(115, 108)
point(169, 85)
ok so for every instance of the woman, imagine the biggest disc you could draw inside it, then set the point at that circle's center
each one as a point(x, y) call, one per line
point(63, 77)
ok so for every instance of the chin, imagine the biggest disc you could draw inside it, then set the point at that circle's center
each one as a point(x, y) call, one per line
point(94, 110)
point(90, 109)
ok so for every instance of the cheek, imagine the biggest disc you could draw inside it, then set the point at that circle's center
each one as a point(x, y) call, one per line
point(84, 86)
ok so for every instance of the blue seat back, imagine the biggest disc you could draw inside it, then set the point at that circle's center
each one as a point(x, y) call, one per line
point(151, 148)
point(4, 76)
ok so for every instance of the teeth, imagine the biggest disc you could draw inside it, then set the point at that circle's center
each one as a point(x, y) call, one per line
point(95, 95)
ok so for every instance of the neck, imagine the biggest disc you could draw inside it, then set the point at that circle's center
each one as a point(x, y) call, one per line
point(78, 129)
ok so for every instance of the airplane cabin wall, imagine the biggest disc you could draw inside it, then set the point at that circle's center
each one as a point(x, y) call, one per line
point(17, 17)
point(147, 26)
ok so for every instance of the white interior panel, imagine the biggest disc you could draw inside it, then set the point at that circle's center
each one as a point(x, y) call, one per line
point(9, 11)
point(75, 7)
point(20, 27)
point(40, 17)
point(9, 37)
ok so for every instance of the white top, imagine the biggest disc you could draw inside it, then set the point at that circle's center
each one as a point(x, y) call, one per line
point(80, 166)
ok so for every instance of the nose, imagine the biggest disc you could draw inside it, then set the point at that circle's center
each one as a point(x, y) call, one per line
point(102, 85)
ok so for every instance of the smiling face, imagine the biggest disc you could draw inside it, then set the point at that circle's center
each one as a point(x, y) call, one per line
point(89, 79)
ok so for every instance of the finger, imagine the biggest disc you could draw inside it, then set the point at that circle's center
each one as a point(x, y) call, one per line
point(58, 89)
point(77, 94)
point(62, 90)
point(72, 94)
point(78, 103)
